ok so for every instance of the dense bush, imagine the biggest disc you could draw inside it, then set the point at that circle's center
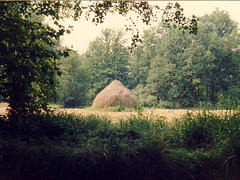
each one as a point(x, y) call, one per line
point(61, 146)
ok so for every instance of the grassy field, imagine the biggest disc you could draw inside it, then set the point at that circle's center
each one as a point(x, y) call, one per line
point(153, 113)
point(117, 116)
point(168, 114)
point(3, 107)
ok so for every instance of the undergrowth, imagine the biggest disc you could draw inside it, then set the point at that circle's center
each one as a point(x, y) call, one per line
point(63, 146)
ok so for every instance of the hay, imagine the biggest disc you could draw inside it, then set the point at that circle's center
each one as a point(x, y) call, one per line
point(115, 94)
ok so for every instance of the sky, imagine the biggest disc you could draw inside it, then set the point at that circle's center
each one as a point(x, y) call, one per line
point(86, 31)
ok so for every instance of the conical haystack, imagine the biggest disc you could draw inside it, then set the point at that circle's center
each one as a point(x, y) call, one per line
point(115, 94)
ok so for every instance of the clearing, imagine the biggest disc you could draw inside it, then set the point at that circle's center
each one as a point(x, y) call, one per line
point(168, 114)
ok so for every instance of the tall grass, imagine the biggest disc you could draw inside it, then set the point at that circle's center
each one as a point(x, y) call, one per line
point(62, 146)
point(208, 140)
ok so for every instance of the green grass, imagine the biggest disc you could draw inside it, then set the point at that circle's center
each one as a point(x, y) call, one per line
point(119, 108)
point(54, 106)
point(63, 146)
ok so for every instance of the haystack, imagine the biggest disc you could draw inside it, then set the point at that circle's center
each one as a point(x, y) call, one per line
point(115, 94)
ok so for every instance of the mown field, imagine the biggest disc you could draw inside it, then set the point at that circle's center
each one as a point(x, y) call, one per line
point(153, 113)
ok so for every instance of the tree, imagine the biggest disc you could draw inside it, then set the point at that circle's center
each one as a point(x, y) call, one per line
point(107, 59)
point(142, 55)
point(221, 39)
point(187, 69)
point(28, 61)
point(74, 82)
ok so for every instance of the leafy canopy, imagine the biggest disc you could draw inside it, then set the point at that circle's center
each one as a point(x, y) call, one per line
point(184, 70)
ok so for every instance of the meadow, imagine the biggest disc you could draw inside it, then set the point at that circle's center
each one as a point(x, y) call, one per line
point(116, 116)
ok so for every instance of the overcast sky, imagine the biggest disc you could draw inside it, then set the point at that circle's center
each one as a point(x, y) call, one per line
point(86, 31)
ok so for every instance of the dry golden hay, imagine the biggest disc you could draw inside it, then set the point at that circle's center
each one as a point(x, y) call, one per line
point(115, 94)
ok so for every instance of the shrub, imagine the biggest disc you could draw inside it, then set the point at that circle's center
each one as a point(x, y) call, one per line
point(63, 146)
point(165, 104)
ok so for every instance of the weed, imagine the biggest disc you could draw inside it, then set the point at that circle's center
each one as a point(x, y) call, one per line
point(76, 147)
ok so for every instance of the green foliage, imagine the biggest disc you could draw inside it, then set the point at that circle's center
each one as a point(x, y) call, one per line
point(208, 131)
point(74, 82)
point(145, 99)
point(140, 60)
point(213, 138)
point(94, 147)
point(107, 60)
point(91, 145)
point(228, 102)
point(195, 132)
point(28, 61)
point(118, 108)
point(183, 70)
point(139, 108)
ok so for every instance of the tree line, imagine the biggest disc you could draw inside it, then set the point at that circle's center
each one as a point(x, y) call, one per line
point(170, 68)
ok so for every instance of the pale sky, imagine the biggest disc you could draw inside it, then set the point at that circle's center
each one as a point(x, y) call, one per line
point(86, 31)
